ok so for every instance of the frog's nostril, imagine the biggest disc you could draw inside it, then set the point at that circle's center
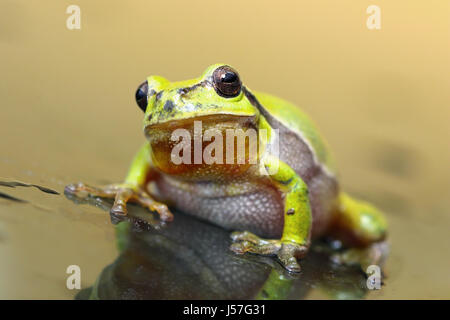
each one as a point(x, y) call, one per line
point(142, 96)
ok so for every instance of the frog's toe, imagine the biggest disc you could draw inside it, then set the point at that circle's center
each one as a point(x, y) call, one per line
point(82, 190)
point(374, 254)
point(287, 253)
point(160, 208)
point(71, 188)
point(120, 202)
point(119, 210)
point(79, 190)
point(291, 264)
point(122, 194)
point(264, 248)
point(245, 236)
point(126, 194)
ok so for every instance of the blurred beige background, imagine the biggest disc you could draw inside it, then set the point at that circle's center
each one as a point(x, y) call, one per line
point(381, 97)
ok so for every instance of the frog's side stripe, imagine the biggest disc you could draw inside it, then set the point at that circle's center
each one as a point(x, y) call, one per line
point(322, 161)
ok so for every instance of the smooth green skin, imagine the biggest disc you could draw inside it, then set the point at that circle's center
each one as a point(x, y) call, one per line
point(202, 100)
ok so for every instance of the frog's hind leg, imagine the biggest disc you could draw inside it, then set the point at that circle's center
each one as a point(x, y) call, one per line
point(363, 228)
point(374, 254)
point(357, 223)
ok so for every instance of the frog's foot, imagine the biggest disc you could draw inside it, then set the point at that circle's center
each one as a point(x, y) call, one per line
point(358, 223)
point(374, 254)
point(286, 252)
point(122, 193)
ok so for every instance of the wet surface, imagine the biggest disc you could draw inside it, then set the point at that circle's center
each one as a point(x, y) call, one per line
point(190, 259)
point(13, 184)
point(68, 114)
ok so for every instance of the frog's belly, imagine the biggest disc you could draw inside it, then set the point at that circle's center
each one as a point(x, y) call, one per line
point(257, 208)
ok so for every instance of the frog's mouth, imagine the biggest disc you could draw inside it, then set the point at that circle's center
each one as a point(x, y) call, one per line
point(221, 122)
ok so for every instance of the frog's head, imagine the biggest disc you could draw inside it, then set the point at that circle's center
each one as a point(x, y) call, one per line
point(216, 95)
point(217, 98)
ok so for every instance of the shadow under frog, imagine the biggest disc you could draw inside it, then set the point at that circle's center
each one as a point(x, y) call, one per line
point(190, 259)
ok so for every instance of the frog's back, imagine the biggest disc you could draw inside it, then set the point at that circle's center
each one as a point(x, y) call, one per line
point(292, 117)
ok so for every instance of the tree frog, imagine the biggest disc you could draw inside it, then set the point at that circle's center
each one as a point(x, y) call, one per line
point(276, 204)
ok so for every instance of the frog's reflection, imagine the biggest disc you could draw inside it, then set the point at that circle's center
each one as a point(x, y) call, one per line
point(190, 259)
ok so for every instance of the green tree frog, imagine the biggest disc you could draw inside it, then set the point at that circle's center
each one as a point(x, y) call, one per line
point(276, 205)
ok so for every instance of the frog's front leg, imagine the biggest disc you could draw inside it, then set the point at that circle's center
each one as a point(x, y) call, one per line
point(132, 190)
point(295, 239)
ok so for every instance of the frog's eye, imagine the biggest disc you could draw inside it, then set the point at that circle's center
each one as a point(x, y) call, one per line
point(226, 82)
point(141, 96)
